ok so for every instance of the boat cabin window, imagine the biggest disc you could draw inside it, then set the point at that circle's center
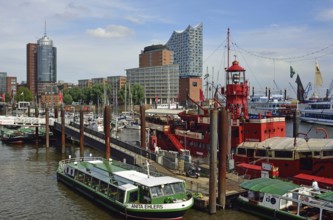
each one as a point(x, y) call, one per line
point(94, 182)
point(133, 196)
point(144, 194)
point(80, 176)
point(328, 153)
point(241, 151)
point(103, 187)
point(283, 154)
point(261, 153)
point(178, 187)
point(316, 153)
point(167, 189)
point(121, 196)
point(112, 192)
point(156, 191)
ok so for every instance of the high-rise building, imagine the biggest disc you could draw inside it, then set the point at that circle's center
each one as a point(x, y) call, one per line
point(32, 68)
point(84, 83)
point(155, 55)
point(187, 48)
point(41, 65)
point(11, 85)
point(3, 82)
point(161, 83)
point(46, 64)
point(116, 81)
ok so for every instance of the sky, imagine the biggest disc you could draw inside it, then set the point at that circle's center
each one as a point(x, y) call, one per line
point(103, 38)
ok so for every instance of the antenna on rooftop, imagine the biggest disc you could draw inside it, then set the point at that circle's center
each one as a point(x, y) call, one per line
point(45, 28)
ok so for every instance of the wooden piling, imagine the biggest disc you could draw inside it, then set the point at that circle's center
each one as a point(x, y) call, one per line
point(47, 128)
point(37, 128)
point(56, 113)
point(63, 131)
point(213, 160)
point(81, 133)
point(107, 131)
point(143, 126)
point(29, 111)
point(295, 124)
point(222, 156)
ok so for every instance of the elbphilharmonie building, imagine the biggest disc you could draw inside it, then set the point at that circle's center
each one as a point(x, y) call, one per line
point(187, 47)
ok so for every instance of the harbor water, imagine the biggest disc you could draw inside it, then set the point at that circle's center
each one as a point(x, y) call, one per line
point(29, 188)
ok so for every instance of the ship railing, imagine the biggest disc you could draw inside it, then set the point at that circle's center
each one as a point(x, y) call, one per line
point(80, 159)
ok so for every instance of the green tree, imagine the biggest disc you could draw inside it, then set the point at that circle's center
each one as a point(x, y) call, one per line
point(138, 94)
point(86, 95)
point(23, 94)
point(135, 92)
point(96, 94)
point(67, 99)
point(76, 94)
point(8, 98)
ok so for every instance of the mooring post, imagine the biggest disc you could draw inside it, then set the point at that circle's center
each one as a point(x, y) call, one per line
point(56, 113)
point(143, 126)
point(36, 129)
point(222, 158)
point(81, 133)
point(62, 131)
point(29, 111)
point(295, 123)
point(47, 128)
point(213, 159)
point(107, 131)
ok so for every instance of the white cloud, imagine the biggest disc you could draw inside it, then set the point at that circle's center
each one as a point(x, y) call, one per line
point(326, 15)
point(111, 31)
point(136, 19)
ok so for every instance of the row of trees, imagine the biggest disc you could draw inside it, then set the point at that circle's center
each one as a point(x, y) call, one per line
point(98, 93)
point(90, 95)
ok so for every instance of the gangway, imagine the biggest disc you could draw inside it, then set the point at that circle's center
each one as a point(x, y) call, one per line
point(24, 121)
point(175, 142)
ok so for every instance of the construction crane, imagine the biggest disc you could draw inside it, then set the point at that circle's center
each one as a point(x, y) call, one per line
point(329, 90)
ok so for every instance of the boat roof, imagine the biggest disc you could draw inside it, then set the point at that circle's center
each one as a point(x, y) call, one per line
point(327, 196)
point(101, 169)
point(144, 180)
point(163, 111)
point(287, 143)
point(267, 185)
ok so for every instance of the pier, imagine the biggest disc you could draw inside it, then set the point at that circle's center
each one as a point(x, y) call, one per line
point(131, 154)
point(137, 155)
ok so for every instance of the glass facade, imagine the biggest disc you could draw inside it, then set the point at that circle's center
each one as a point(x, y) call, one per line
point(187, 47)
point(158, 81)
point(3, 82)
point(46, 61)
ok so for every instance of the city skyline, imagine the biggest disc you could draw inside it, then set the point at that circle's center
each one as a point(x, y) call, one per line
point(104, 38)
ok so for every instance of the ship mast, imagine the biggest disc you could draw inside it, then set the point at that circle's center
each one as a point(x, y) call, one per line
point(228, 61)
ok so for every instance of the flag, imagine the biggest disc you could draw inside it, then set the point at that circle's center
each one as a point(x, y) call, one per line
point(60, 96)
point(292, 72)
point(201, 95)
point(318, 78)
point(300, 89)
point(3, 97)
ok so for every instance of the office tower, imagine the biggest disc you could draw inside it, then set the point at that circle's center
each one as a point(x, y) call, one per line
point(187, 47)
point(46, 64)
point(41, 66)
point(155, 55)
point(3, 82)
point(32, 68)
